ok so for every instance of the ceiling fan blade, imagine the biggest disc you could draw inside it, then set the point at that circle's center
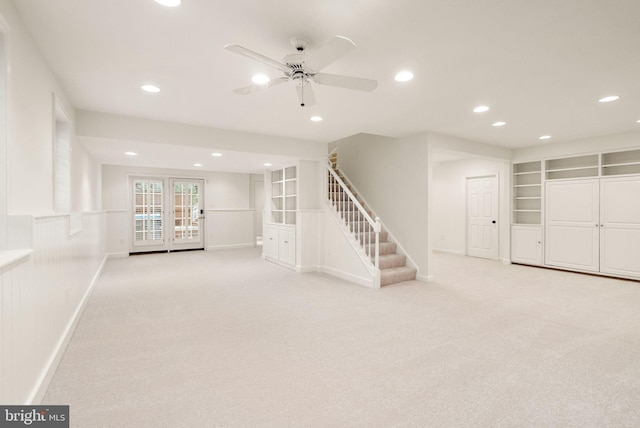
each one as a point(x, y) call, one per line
point(306, 97)
point(334, 49)
point(258, 57)
point(255, 88)
point(348, 82)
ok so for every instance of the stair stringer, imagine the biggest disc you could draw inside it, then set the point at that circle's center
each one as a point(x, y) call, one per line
point(399, 248)
point(343, 265)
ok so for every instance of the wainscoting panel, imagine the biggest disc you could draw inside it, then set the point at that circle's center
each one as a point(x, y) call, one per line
point(42, 296)
point(227, 229)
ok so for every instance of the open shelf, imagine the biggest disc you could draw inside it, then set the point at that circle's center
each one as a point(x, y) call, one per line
point(284, 200)
point(572, 167)
point(527, 193)
point(621, 163)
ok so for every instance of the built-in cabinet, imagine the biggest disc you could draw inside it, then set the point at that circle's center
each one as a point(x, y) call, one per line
point(572, 224)
point(583, 215)
point(279, 240)
point(526, 244)
point(526, 230)
point(279, 243)
point(293, 201)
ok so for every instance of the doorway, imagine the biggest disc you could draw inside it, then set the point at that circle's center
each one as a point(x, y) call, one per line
point(482, 217)
point(168, 214)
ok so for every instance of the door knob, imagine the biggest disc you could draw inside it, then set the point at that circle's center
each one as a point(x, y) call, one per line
point(493, 221)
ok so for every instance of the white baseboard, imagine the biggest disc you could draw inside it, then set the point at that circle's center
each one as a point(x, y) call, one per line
point(425, 278)
point(306, 269)
point(117, 255)
point(455, 252)
point(230, 247)
point(367, 282)
point(41, 386)
point(505, 261)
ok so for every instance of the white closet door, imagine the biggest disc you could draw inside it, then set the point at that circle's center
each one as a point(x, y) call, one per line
point(620, 226)
point(287, 245)
point(572, 224)
point(482, 217)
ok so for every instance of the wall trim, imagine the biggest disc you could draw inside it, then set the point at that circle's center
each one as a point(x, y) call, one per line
point(229, 247)
point(306, 269)
point(367, 282)
point(454, 252)
point(117, 255)
point(43, 382)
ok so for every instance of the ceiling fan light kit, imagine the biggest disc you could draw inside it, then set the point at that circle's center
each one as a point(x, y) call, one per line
point(302, 68)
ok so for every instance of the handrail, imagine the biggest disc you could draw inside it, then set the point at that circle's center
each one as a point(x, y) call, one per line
point(344, 203)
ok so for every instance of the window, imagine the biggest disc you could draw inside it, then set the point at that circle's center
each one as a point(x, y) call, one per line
point(61, 160)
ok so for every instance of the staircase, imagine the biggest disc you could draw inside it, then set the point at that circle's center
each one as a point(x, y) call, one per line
point(392, 266)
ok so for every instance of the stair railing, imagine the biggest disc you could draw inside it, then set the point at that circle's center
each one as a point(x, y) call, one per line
point(365, 229)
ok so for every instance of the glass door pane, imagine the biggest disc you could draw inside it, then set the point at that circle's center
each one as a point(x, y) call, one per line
point(148, 207)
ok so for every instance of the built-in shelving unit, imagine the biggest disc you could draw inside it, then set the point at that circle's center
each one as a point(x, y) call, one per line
point(621, 163)
point(527, 193)
point(573, 167)
point(284, 200)
point(539, 185)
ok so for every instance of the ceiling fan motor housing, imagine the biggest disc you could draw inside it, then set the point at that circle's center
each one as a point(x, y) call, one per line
point(300, 43)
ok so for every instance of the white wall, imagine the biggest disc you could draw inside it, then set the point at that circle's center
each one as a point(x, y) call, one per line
point(448, 209)
point(228, 201)
point(42, 295)
point(395, 177)
point(30, 109)
point(392, 176)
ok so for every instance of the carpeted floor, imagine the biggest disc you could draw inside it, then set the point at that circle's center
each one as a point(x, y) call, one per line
point(224, 339)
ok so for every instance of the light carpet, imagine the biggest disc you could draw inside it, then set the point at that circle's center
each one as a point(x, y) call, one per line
point(225, 339)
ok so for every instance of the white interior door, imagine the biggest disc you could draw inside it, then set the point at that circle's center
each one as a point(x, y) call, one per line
point(187, 214)
point(482, 217)
point(620, 226)
point(572, 224)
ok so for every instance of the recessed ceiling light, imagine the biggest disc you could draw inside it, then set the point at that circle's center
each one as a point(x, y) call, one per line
point(131, 153)
point(638, 121)
point(609, 99)
point(267, 164)
point(499, 123)
point(260, 79)
point(150, 88)
point(481, 109)
point(169, 3)
point(404, 76)
point(316, 118)
point(217, 155)
point(197, 164)
point(544, 137)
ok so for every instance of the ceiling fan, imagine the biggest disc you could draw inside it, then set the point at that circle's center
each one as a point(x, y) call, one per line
point(303, 68)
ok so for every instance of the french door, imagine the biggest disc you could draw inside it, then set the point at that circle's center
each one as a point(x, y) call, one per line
point(188, 214)
point(168, 214)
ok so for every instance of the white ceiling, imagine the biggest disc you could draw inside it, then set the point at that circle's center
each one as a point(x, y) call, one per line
point(541, 65)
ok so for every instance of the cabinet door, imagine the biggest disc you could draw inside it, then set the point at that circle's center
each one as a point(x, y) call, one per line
point(526, 244)
point(270, 242)
point(287, 245)
point(620, 226)
point(572, 224)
